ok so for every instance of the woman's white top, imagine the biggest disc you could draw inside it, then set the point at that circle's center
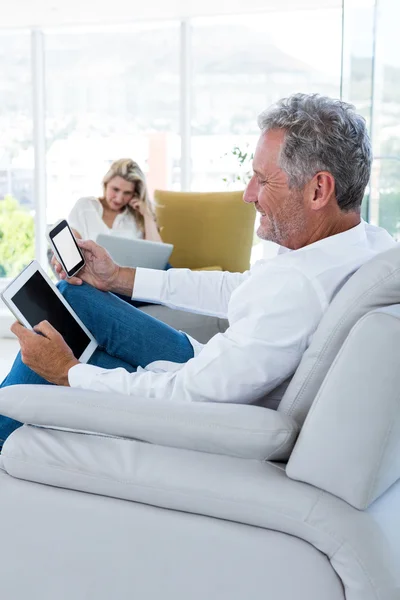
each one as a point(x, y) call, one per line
point(86, 217)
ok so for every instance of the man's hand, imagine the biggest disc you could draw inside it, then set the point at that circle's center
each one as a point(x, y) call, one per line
point(46, 354)
point(100, 270)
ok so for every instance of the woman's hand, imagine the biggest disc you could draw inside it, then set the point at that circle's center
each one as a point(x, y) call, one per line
point(150, 224)
point(142, 208)
point(100, 270)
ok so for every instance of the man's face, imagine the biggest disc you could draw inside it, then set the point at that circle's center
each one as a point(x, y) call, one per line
point(282, 211)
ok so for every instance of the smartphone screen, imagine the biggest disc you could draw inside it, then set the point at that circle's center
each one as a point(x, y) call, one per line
point(67, 248)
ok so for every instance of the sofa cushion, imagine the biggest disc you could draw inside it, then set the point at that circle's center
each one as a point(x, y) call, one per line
point(64, 545)
point(236, 430)
point(250, 492)
point(350, 442)
point(376, 284)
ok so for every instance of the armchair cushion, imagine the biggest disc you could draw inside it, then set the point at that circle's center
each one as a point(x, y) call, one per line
point(213, 228)
point(214, 268)
point(350, 442)
point(235, 430)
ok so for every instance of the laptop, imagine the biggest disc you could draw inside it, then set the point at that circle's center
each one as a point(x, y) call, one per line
point(136, 253)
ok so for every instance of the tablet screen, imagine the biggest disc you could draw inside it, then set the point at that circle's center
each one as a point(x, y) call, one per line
point(37, 302)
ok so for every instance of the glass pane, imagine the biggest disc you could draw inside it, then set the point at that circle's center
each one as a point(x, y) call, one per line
point(247, 63)
point(385, 179)
point(358, 63)
point(110, 93)
point(17, 241)
point(245, 66)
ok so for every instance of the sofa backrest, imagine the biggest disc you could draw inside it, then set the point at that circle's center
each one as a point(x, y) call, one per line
point(375, 285)
point(349, 444)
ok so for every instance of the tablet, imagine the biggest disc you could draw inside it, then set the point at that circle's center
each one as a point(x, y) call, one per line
point(32, 297)
point(135, 253)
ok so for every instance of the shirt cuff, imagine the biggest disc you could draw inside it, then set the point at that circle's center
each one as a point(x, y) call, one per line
point(82, 375)
point(148, 285)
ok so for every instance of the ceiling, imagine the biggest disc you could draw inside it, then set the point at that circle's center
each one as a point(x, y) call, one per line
point(54, 13)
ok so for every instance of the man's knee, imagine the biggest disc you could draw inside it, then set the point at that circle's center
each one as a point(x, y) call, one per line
point(82, 297)
point(62, 286)
point(72, 293)
point(66, 289)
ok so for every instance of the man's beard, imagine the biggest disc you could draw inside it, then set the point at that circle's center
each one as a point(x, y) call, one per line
point(287, 224)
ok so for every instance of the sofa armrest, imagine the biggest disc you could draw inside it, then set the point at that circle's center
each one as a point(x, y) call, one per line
point(236, 430)
point(200, 327)
point(350, 442)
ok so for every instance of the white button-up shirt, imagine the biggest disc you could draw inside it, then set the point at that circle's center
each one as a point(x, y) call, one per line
point(273, 312)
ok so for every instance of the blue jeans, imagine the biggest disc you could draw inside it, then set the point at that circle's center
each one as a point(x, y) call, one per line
point(127, 338)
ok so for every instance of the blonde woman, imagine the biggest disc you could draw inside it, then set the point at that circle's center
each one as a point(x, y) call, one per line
point(125, 208)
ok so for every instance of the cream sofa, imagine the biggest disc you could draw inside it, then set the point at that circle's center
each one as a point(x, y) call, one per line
point(107, 496)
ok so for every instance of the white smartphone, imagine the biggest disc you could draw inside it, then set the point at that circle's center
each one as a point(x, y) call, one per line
point(65, 248)
point(32, 297)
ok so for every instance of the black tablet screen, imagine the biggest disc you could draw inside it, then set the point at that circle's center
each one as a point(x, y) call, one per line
point(38, 302)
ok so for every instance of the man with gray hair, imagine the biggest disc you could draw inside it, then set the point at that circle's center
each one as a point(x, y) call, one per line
point(311, 166)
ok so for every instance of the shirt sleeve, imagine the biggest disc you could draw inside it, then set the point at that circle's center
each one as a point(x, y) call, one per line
point(203, 292)
point(242, 365)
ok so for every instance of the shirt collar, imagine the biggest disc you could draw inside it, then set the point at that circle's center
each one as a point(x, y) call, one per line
point(352, 236)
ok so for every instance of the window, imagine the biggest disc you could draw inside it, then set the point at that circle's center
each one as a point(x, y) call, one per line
point(385, 178)
point(115, 91)
point(17, 244)
point(110, 93)
point(358, 65)
point(246, 65)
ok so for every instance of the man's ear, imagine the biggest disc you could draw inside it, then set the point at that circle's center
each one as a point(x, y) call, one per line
point(321, 190)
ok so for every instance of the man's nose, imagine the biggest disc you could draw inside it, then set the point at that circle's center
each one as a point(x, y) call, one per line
point(250, 194)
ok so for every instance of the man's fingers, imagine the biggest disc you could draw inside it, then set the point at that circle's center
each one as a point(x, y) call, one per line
point(18, 329)
point(23, 333)
point(56, 263)
point(74, 280)
point(46, 329)
point(57, 267)
point(76, 234)
point(88, 245)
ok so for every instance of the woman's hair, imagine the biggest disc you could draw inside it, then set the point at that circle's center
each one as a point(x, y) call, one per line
point(129, 170)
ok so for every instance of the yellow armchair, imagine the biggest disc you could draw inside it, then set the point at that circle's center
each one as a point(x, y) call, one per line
point(208, 230)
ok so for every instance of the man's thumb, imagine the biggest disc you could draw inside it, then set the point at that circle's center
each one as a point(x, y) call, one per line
point(46, 329)
point(87, 245)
